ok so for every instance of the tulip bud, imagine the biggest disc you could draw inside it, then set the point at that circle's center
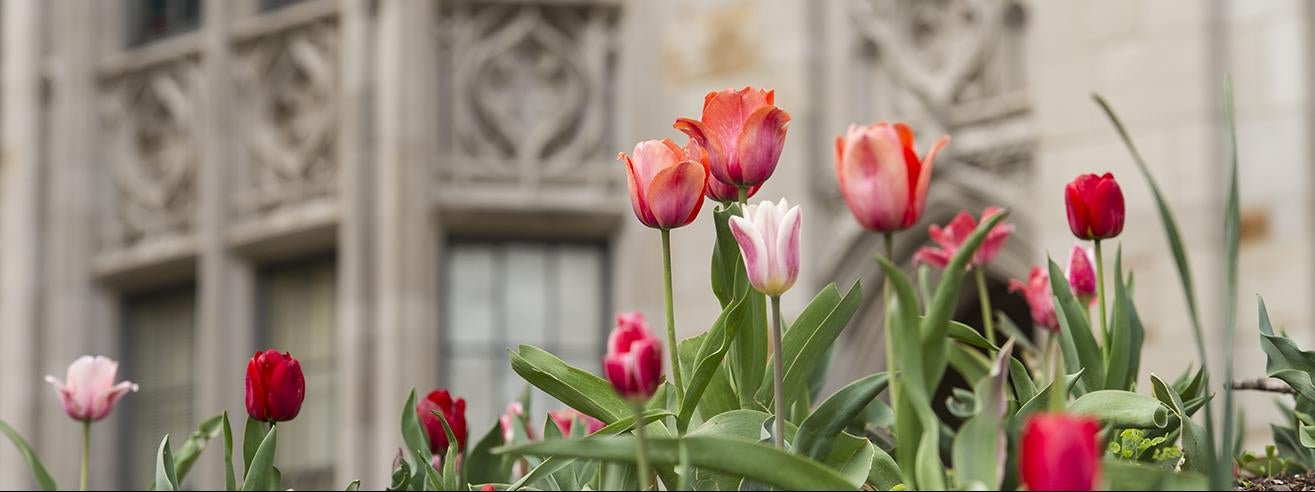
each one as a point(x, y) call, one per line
point(952, 236)
point(275, 386)
point(453, 411)
point(1095, 206)
point(1081, 274)
point(666, 188)
point(88, 392)
point(1039, 301)
point(768, 236)
point(515, 413)
point(883, 181)
point(743, 132)
point(634, 358)
point(565, 420)
point(1060, 452)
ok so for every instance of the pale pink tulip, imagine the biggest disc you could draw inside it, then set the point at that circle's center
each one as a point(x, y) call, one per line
point(88, 392)
point(881, 177)
point(769, 242)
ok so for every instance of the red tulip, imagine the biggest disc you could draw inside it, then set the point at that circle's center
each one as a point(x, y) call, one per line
point(275, 386)
point(666, 187)
point(1039, 301)
point(717, 190)
point(565, 420)
point(1081, 274)
point(88, 392)
point(1060, 452)
point(453, 411)
point(743, 131)
point(488, 487)
point(951, 238)
point(634, 358)
point(1095, 206)
point(883, 181)
point(515, 413)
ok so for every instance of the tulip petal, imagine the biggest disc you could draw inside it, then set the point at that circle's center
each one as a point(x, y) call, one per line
point(918, 198)
point(752, 249)
point(1106, 208)
point(931, 256)
point(760, 143)
point(637, 200)
point(717, 154)
point(675, 194)
point(647, 365)
point(787, 248)
point(1079, 220)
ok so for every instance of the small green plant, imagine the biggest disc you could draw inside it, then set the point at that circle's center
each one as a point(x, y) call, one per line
point(1134, 445)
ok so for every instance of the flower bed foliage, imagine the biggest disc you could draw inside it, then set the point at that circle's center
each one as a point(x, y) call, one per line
point(743, 408)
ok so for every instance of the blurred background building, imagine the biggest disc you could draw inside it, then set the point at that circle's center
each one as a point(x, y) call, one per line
point(397, 191)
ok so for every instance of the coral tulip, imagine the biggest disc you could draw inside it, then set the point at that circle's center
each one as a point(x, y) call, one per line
point(1060, 452)
point(1039, 301)
point(88, 392)
point(275, 386)
point(952, 236)
point(634, 358)
point(1095, 206)
point(881, 177)
point(743, 131)
point(454, 411)
point(769, 243)
point(666, 188)
point(565, 420)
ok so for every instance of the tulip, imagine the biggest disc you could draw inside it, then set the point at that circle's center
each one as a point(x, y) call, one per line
point(769, 243)
point(1082, 274)
point(565, 420)
point(1038, 295)
point(88, 392)
point(275, 386)
point(743, 131)
point(1060, 452)
point(1095, 206)
point(951, 238)
point(883, 181)
point(453, 411)
point(634, 358)
point(515, 412)
point(666, 188)
point(717, 190)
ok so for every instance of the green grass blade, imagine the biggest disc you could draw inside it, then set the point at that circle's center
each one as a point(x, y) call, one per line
point(39, 474)
point(1220, 477)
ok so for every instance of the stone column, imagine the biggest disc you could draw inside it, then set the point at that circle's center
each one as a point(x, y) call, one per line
point(406, 238)
point(20, 226)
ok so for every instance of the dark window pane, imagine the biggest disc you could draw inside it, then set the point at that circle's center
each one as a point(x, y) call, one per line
point(158, 332)
point(151, 20)
point(275, 4)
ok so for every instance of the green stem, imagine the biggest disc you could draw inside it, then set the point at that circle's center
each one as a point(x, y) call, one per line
point(1100, 295)
point(888, 240)
point(86, 452)
point(984, 298)
point(744, 198)
point(778, 371)
point(671, 316)
point(641, 454)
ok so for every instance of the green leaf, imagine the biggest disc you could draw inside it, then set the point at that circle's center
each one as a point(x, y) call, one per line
point(717, 341)
point(230, 481)
point(1010, 329)
point(1039, 402)
point(165, 476)
point(39, 474)
point(1124, 352)
point(1196, 442)
point(884, 474)
point(251, 439)
point(968, 362)
point(1284, 360)
point(480, 464)
point(554, 464)
point(1078, 344)
point(260, 475)
point(726, 259)
point(914, 420)
point(979, 448)
point(1232, 217)
point(195, 444)
point(1122, 409)
point(451, 478)
point(730, 282)
point(354, 486)
point(852, 457)
point(759, 462)
point(1128, 475)
point(576, 388)
point(805, 344)
point(817, 431)
point(418, 454)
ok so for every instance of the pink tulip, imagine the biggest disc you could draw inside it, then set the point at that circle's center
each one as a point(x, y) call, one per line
point(883, 181)
point(565, 420)
point(515, 413)
point(743, 131)
point(769, 242)
point(666, 188)
point(717, 190)
point(1081, 273)
point(634, 358)
point(88, 392)
point(1039, 301)
point(952, 237)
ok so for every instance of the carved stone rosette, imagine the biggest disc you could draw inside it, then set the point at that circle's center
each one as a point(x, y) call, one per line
point(149, 119)
point(527, 91)
point(287, 85)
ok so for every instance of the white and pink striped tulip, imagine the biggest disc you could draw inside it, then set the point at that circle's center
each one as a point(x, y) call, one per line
point(768, 236)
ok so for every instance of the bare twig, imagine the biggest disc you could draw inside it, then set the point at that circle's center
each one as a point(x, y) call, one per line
point(1264, 384)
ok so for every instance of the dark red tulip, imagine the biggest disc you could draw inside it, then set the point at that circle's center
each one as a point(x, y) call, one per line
point(1095, 206)
point(634, 358)
point(454, 411)
point(1060, 452)
point(275, 386)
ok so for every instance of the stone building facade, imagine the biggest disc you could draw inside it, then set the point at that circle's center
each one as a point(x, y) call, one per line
point(398, 190)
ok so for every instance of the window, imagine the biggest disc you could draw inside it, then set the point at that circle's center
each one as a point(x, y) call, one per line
point(158, 331)
point(277, 4)
point(152, 20)
point(498, 294)
point(297, 315)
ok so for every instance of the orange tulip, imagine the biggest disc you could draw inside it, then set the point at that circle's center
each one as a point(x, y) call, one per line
point(666, 188)
point(743, 132)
